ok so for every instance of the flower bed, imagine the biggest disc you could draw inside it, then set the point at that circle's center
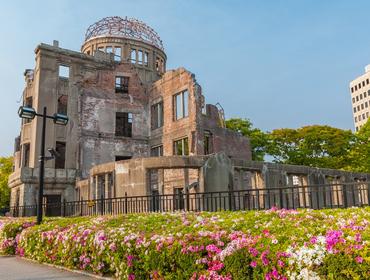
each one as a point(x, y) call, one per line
point(274, 244)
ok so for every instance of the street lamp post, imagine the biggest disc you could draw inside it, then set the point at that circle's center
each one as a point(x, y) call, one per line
point(30, 113)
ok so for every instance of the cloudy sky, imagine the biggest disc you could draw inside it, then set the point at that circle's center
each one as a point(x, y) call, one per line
point(278, 63)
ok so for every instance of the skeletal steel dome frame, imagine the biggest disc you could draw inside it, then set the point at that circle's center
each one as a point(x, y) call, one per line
point(128, 28)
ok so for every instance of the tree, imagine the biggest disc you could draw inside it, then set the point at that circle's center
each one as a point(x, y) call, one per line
point(316, 145)
point(359, 156)
point(6, 167)
point(258, 138)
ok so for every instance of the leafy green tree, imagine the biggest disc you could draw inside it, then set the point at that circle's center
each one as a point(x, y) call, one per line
point(316, 145)
point(258, 138)
point(359, 156)
point(6, 167)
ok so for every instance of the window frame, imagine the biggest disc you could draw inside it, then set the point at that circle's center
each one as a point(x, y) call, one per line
point(184, 146)
point(184, 104)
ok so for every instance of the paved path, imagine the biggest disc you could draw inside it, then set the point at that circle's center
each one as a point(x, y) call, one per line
point(13, 268)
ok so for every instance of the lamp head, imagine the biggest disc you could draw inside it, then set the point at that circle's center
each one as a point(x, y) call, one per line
point(60, 119)
point(26, 112)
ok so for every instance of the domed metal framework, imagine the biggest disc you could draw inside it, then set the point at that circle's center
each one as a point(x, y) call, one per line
point(128, 28)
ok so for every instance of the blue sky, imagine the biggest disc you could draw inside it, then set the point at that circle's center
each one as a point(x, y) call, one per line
point(278, 63)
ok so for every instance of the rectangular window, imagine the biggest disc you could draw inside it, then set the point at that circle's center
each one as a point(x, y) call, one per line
point(26, 155)
point(360, 95)
point(146, 61)
point(28, 103)
point(109, 49)
point(207, 143)
point(140, 57)
point(157, 115)
point(123, 124)
point(156, 151)
point(64, 71)
point(351, 89)
point(62, 105)
point(354, 109)
point(353, 100)
point(363, 83)
point(357, 98)
point(181, 147)
point(367, 81)
point(180, 105)
point(359, 85)
point(121, 84)
point(117, 54)
point(133, 56)
point(60, 159)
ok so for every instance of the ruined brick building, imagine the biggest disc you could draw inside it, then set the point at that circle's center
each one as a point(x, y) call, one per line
point(122, 103)
point(134, 128)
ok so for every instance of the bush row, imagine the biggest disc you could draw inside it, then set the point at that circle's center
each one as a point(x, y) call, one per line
point(273, 244)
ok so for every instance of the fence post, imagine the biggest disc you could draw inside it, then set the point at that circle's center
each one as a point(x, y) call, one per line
point(81, 209)
point(345, 202)
point(101, 205)
point(64, 207)
point(125, 208)
point(281, 197)
point(230, 201)
point(368, 193)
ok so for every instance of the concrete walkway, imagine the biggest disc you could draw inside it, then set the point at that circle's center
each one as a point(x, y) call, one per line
point(14, 268)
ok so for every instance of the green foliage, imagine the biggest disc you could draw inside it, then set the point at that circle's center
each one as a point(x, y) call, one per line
point(258, 138)
point(6, 167)
point(316, 145)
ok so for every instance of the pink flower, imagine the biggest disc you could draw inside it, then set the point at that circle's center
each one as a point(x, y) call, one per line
point(131, 277)
point(129, 260)
point(359, 259)
point(280, 263)
point(253, 264)
point(215, 265)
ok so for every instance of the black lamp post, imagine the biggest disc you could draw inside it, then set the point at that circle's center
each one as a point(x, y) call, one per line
point(30, 113)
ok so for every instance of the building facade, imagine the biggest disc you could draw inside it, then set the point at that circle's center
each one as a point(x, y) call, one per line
point(360, 94)
point(122, 103)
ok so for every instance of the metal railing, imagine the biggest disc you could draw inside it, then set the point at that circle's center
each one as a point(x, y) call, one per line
point(316, 197)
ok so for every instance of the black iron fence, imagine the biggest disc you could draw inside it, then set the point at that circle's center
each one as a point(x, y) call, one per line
point(315, 197)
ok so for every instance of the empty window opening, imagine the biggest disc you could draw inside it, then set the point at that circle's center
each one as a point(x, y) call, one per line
point(88, 52)
point(109, 49)
point(181, 147)
point(26, 155)
point(146, 61)
point(28, 103)
point(117, 54)
point(133, 56)
point(124, 124)
point(122, 83)
point(180, 105)
point(156, 151)
point(62, 105)
point(207, 143)
point(140, 57)
point(64, 71)
point(60, 159)
point(157, 115)
point(118, 158)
